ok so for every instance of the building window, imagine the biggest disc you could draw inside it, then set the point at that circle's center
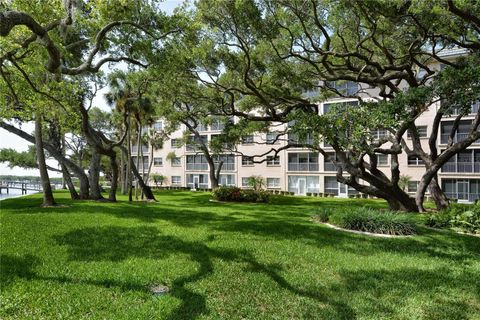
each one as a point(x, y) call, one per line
point(175, 143)
point(273, 161)
point(228, 162)
point(248, 139)
point(194, 143)
point(273, 183)
point(412, 186)
point(197, 162)
point(382, 159)
point(176, 180)
point(247, 161)
point(176, 162)
point(227, 180)
point(158, 162)
point(158, 126)
point(197, 180)
point(245, 181)
point(422, 132)
point(303, 161)
point(272, 137)
point(415, 161)
point(348, 88)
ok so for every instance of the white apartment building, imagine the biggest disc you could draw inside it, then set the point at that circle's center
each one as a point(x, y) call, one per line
point(303, 171)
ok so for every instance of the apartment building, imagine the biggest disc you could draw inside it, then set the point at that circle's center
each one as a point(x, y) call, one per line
point(303, 171)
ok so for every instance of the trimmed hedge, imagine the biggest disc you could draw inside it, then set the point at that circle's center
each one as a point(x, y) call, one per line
point(369, 220)
point(236, 194)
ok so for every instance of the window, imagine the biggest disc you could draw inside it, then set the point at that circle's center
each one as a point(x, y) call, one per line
point(194, 142)
point(158, 126)
point(197, 180)
point(273, 183)
point(247, 139)
point(273, 161)
point(382, 159)
point(422, 132)
point(247, 161)
point(228, 162)
point(197, 162)
point(245, 182)
point(328, 165)
point(303, 161)
point(176, 180)
point(175, 143)
point(158, 162)
point(412, 186)
point(176, 162)
point(328, 106)
point(331, 185)
point(343, 87)
point(415, 161)
point(227, 180)
point(272, 137)
point(380, 134)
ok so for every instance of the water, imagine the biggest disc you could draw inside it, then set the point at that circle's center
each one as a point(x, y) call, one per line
point(13, 193)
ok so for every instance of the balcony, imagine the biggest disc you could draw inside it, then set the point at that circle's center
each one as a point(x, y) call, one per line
point(226, 166)
point(463, 196)
point(295, 166)
point(329, 166)
point(461, 167)
point(458, 137)
point(197, 166)
point(135, 149)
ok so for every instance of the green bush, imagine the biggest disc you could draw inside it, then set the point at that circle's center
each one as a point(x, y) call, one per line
point(458, 217)
point(239, 195)
point(370, 220)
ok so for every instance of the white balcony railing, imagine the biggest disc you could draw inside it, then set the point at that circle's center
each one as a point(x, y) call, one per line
point(197, 166)
point(295, 166)
point(470, 197)
point(461, 167)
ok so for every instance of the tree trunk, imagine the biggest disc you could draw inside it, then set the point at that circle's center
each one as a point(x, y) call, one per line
point(146, 189)
point(94, 176)
point(129, 158)
point(139, 140)
point(214, 174)
point(68, 181)
point(122, 174)
point(114, 185)
point(48, 199)
point(437, 194)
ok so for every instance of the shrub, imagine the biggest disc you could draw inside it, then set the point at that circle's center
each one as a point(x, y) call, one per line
point(370, 220)
point(238, 195)
point(458, 217)
point(321, 215)
point(227, 194)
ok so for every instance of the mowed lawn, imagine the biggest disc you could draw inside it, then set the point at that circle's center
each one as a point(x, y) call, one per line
point(90, 260)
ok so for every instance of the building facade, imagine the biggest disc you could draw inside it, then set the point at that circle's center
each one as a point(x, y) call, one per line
point(303, 171)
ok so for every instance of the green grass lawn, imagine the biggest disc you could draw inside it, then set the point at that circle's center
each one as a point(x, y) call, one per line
point(91, 260)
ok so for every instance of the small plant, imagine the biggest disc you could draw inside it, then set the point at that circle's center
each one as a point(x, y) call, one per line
point(458, 217)
point(159, 179)
point(236, 194)
point(404, 181)
point(256, 182)
point(321, 215)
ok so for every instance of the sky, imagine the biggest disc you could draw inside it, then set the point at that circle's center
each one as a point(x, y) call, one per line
point(9, 140)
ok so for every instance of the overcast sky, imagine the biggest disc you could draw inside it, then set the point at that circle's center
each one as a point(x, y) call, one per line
point(9, 140)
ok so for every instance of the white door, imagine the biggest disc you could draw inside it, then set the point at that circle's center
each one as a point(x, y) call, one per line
point(196, 182)
point(342, 190)
point(302, 187)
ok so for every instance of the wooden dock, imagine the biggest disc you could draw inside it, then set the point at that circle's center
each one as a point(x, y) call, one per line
point(18, 185)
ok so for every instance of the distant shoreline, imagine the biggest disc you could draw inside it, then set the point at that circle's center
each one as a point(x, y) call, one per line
point(16, 196)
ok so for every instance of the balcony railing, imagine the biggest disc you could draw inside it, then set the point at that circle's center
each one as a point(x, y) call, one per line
point(135, 148)
point(461, 167)
point(458, 137)
point(473, 110)
point(328, 166)
point(197, 166)
point(295, 166)
point(470, 197)
point(226, 166)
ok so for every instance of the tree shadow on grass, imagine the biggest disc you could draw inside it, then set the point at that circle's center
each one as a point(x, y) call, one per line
point(387, 292)
point(120, 243)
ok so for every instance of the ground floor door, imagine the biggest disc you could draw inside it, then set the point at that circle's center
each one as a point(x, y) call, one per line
point(342, 190)
point(462, 189)
point(302, 186)
point(196, 181)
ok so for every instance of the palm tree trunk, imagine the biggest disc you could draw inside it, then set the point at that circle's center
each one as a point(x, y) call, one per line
point(122, 174)
point(68, 181)
point(48, 199)
point(129, 157)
